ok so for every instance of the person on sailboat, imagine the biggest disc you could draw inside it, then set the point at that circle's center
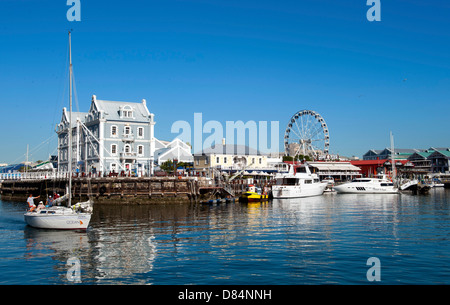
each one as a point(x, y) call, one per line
point(49, 202)
point(40, 206)
point(30, 202)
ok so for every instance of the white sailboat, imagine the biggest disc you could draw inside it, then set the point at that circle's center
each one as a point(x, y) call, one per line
point(59, 217)
point(298, 185)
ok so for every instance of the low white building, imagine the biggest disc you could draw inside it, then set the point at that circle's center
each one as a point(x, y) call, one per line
point(175, 150)
point(230, 158)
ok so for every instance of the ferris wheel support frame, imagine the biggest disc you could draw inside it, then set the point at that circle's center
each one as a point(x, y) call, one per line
point(306, 138)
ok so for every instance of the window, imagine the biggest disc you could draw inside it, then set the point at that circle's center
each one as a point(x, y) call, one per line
point(288, 181)
point(114, 131)
point(113, 149)
point(260, 160)
point(127, 149)
point(127, 130)
point(206, 160)
point(127, 112)
point(218, 160)
point(225, 160)
point(140, 150)
point(140, 132)
point(113, 167)
point(197, 162)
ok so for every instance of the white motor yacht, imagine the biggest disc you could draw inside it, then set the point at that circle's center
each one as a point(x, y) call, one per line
point(379, 185)
point(300, 184)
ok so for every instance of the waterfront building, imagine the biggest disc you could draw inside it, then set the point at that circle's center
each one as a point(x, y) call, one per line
point(111, 137)
point(339, 171)
point(372, 168)
point(174, 150)
point(421, 164)
point(440, 160)
point(372, 154)
point(400, 153)
point(417, 161)
point(230, 157)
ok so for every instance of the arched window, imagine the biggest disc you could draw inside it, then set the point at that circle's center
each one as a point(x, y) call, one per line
point(127, 112)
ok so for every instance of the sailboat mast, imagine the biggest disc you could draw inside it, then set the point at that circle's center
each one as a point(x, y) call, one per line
point(393, 159)
point(70, 121)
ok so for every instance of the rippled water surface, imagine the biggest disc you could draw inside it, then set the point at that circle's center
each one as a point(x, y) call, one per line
point(318, 240)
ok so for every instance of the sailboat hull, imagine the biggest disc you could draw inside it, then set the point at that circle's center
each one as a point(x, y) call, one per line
point(75, 221)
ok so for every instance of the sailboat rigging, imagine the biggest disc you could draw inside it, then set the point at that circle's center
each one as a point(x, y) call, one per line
point(59, 217)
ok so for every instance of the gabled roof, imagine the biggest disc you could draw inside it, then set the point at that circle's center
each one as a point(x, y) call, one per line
point(372, 152)
point(420, 155)
point(75, 115)
point(176, 149)
point(445, 153)
point(402, 150)
point(111, 109)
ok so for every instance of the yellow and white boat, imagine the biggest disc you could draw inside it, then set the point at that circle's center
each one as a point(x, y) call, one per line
point(253, 194)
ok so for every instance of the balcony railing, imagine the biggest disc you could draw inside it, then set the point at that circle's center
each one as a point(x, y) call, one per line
point(128, 137)
point(128, 155)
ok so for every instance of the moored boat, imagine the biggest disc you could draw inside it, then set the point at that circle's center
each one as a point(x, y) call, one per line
point(254, 194)
point(379, 185)
point(298, 185)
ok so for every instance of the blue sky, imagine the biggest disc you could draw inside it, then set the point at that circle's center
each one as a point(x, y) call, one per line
point(231, 60)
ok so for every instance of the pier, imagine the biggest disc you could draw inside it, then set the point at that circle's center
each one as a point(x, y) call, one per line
point(120, 190)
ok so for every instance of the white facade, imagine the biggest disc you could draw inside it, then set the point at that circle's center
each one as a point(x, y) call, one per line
point(112, 137)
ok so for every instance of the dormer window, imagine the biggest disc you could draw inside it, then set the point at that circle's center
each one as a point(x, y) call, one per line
point(127, 112)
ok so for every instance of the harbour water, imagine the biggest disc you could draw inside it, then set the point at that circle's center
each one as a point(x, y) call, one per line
point(318, 240)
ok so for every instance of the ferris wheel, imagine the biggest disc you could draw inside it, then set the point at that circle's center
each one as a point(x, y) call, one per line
point(307, 134)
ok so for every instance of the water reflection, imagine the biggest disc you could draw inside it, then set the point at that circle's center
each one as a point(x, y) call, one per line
point(62, 243)
point(324, 239)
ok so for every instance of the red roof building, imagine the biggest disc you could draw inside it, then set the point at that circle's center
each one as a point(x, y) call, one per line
point(370, 168)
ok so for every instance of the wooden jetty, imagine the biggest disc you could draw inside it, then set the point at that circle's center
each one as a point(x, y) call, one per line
point(122, 190)
point(415, 186)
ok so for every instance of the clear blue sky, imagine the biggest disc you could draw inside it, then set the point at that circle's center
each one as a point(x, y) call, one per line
point(232, 60)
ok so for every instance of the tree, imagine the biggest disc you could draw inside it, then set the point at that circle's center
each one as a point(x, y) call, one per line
point(167, 166)
point(297, 158)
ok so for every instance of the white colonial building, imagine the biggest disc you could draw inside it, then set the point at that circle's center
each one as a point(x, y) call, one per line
point(112, 137)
